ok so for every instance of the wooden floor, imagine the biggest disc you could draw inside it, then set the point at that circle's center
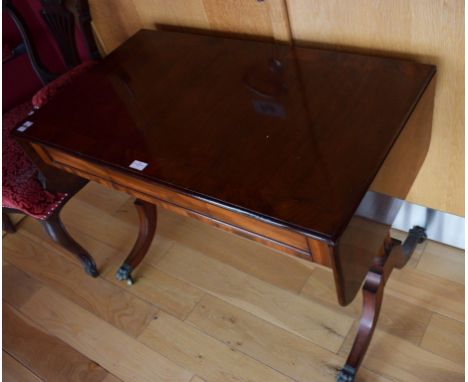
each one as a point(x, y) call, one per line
point(210, 306)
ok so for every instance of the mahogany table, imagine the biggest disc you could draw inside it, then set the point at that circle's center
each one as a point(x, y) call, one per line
point(308, 151)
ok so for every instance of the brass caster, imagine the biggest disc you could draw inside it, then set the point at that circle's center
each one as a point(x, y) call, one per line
point(125, 273)
point(346, 374)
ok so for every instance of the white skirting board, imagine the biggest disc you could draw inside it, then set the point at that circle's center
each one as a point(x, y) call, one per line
point(440, 226)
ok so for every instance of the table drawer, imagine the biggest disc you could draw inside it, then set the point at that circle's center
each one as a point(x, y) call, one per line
point(277, 237)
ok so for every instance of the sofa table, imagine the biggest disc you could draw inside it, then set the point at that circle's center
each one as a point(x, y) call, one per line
point(309, 151)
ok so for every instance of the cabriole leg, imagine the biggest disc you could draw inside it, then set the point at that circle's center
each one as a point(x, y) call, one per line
point(7, 224)
point(57, 232)
point(395, 255)
point(148, 217)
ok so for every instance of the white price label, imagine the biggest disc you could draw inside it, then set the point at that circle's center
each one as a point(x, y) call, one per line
point(138, 165)
point(26, 125)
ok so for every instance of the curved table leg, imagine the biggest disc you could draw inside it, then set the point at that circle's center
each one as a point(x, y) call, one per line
point(395, 255)
point(55, 229)
point(148, 217)
point(7, 224)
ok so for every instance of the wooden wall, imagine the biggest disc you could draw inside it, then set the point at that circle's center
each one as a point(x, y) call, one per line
point(430, 31)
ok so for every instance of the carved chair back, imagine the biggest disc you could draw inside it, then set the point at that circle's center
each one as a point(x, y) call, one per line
point(63, 19)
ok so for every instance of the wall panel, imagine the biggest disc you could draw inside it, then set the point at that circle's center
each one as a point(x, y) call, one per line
point(116, 20)
point(187, 13)
point(249, 17)
point(430, 31)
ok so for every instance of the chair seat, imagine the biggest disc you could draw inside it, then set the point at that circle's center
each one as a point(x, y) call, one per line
point(21, 189)
point(50, 90)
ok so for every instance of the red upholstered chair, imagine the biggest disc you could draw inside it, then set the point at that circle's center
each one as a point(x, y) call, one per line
point(21, 189)
point(39, 192)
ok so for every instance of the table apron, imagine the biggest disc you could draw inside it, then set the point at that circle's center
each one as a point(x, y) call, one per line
point(282, 239)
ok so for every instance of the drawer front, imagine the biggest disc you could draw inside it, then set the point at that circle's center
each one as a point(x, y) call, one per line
point(274, 236)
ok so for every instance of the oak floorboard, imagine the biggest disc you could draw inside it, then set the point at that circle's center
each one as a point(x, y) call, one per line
point(111, 378)
point(397, 359)
point(446, 337)
point(153, 286)
point(204, 356)
point(103, 299)
point(14, 371)
point(428, 291)
point(101, 197)
point(290, 354)
point(443, 261)
point(45, 355)
point(196, 378)
point(280, 307)
point(17, 286)
point(120, 354)
point(160, 289)
point(189, 267)
point(397, 316)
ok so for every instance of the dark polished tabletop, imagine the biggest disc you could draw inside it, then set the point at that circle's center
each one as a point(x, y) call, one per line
point(291, 135)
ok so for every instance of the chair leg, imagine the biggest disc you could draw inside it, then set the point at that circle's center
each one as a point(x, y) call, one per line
point(147, 213)
point(57, 232)
point(395, 255)
point(7, 224)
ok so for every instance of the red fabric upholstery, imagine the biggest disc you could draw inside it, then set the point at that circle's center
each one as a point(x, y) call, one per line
point(6, 52)
point(21, 189)
point(50, 90)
